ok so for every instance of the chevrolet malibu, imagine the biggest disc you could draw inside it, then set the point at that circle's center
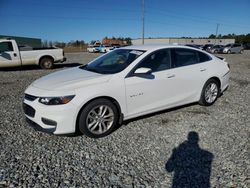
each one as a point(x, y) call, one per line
point(125, 83)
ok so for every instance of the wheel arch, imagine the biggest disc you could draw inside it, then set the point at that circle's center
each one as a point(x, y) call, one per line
point(217, 79)
point(113, 100)
point(46, 56)
point(213, 77)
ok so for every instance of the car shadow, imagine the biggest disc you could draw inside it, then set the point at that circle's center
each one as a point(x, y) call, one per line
point(36, 67)
point(190, 164)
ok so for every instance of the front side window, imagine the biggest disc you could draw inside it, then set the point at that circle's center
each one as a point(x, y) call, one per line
point(6, 47)
point(113, 62)
point(183, 57)
point(157, 61)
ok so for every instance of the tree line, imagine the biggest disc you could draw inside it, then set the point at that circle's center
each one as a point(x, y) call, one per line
point(80, 43)
point(238, 38)
point(72, 43)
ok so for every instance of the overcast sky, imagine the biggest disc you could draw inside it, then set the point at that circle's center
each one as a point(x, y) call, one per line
point(66, 20)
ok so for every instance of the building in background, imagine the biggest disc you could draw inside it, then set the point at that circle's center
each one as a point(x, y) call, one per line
point(25, 41)
point(200, 41)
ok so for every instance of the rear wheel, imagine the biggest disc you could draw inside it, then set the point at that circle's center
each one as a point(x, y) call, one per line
point(46, 63)
point(241, 51)
point(229, 51)
point(98, 118)
point(210, 92)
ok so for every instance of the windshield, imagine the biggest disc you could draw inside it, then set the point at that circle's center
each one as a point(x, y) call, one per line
point(228, 45)
point(113, 62)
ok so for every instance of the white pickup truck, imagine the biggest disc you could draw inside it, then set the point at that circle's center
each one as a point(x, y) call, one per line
point(12, 56)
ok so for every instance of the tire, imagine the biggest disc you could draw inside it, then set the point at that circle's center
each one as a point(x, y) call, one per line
point(241, 51)
point(229, 51)
point(96, 122)
point(216, 51)
point(46, 63)
point(210, 93)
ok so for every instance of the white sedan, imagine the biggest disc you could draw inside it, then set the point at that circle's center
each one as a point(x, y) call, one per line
point(122, 84)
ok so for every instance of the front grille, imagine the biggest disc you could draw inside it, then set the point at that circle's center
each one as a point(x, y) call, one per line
point(30, 97)
point(28, 110)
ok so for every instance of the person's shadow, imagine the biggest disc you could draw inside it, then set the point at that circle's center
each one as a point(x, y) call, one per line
point(191, 164)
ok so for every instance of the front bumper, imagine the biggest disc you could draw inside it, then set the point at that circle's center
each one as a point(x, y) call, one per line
point(40, 128)
point(56, 119)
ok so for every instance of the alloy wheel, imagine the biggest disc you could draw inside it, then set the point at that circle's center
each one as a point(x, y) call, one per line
point(211, 92)
point(100, 119)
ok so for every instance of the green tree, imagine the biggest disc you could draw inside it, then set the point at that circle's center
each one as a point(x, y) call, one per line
point(212, 36)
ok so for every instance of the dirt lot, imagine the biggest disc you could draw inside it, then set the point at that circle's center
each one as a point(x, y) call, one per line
point(150, 151)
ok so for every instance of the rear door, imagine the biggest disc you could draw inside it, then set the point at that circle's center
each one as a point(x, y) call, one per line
point(191, 69)
point(8, 55)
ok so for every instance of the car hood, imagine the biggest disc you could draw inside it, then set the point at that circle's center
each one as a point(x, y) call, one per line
point(70, 79)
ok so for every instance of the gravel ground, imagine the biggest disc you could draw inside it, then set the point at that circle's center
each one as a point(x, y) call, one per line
point(151, 151)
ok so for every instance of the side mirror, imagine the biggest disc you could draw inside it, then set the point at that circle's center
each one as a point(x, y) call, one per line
point(143, 70)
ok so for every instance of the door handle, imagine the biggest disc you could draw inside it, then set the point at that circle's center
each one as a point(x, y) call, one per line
point(14, 54)
point(171, 76)
point(203, 69)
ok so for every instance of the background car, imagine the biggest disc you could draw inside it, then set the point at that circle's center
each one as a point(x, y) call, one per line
point(215, 48)
point(246, 46)
point(93, 48)
point(233, 48)
point(207, 47)
point(105, 48)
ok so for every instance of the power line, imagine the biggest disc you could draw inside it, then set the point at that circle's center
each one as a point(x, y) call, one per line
point(67, 17)
point(195, 18)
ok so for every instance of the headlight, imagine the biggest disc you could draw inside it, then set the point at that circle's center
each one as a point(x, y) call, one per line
point(56, 100)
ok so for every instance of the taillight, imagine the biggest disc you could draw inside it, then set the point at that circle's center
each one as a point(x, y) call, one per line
point(63, 52)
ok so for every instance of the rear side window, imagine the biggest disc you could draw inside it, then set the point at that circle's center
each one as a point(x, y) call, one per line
point(203, 57)
point(6, 47)
point(183, 57)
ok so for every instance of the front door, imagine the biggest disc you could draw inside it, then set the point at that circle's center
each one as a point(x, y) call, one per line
point(152, 91)
point(8, 57)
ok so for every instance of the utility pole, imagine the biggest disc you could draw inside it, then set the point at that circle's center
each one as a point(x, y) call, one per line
point(143, 10)
point(216, 33)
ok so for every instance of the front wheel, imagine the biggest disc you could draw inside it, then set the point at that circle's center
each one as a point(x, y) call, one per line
point(98, 118)
point(229, 52)
point(210, 92)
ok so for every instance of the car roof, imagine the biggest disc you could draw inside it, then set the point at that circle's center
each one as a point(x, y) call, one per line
point(152, 47)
